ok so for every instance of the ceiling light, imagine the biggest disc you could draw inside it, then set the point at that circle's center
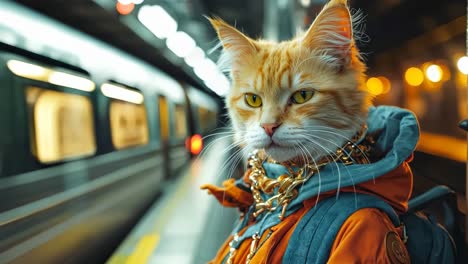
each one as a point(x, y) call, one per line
point(218, 84)
point(181, 44)
point(206, 69)
point(195, 57)
point(157, 20)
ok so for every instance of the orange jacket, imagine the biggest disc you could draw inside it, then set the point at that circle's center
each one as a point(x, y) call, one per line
point(363, 238)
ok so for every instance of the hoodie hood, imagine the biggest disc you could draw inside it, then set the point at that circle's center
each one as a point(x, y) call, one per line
point(398, 135)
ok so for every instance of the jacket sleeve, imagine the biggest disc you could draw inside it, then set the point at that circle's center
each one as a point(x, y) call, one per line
point(368, 236)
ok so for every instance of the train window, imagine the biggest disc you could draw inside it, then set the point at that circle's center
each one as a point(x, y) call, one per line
point(164, 117)
point(207, 119)
point(180, 122)
point(62, 125)
point(129, 124)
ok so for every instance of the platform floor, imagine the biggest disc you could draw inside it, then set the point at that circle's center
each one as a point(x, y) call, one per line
point(186, 225)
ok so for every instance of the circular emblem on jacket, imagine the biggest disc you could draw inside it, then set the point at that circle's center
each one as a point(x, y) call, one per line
point(396, 250)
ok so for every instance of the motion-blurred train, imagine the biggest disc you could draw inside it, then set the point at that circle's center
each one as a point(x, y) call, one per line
point(88, 135)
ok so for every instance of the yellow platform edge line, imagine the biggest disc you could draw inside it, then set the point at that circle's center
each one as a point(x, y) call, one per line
point(144, 249)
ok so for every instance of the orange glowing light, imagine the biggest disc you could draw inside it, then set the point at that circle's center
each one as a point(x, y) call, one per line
point(195, 144)
point(387, 85)
point(462, 64)
point(375, 86)
point(434, 73)
point(124, 9)
point(414, 76)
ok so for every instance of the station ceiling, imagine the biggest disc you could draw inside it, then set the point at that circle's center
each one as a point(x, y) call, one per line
point(389, 24)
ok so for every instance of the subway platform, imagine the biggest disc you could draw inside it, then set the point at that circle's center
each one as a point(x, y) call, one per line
point(186, 225)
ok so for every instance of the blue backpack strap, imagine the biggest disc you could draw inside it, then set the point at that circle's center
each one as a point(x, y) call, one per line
point(314, 235)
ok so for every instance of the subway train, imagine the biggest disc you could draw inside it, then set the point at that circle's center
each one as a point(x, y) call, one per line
point(89, 135)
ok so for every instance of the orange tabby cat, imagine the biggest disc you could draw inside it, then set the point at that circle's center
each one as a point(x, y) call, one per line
point(302, 100)
point(303, 96)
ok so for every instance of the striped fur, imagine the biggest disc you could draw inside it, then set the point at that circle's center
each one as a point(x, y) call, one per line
point(324, 59)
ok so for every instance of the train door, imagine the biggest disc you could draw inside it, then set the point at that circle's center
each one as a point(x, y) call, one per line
point(164, 126)
point(173, 132)
point(178, 154)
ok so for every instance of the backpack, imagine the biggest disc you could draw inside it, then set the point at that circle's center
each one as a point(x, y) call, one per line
point(313, 237)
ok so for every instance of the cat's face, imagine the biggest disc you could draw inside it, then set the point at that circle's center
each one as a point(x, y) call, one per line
point(298, 98)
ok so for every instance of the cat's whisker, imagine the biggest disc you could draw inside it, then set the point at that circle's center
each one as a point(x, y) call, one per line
point(333, 143)
point(229, 147)
point(306, 130)
point(329, 152)
point(218, 133)
point(306, 151)
point(212, 143)
point(230, 163)
point(233, 165)
point(226, 162)
point(319, 190)
point(344, 151)
point(304, 154)
point(339, 173)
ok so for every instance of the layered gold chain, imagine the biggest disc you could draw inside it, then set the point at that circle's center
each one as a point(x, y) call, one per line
point(285, 185)
point(284, 188)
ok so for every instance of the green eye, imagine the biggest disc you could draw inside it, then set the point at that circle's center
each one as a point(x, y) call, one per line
point(302, 96)
point(253, 100)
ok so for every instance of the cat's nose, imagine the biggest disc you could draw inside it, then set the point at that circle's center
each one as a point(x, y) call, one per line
point(270, 128)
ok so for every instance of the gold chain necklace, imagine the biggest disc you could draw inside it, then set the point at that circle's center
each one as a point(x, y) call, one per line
point(286, 184)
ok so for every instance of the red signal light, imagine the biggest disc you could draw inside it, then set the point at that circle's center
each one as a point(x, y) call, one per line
point(124, 9)
point(194, 144)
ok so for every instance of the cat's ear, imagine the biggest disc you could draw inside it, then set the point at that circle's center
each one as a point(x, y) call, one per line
point(331, 33)
point(234, 42)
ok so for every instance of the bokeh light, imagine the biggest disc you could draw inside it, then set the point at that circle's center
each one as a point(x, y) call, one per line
point(157, 20)
point(414, 76)
point(181, 44)
point(375, 86)
point(387, 86)
point(462, 64)
point(305, 3)
point(194, 144)
point(124, 9)
point(434, 73)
